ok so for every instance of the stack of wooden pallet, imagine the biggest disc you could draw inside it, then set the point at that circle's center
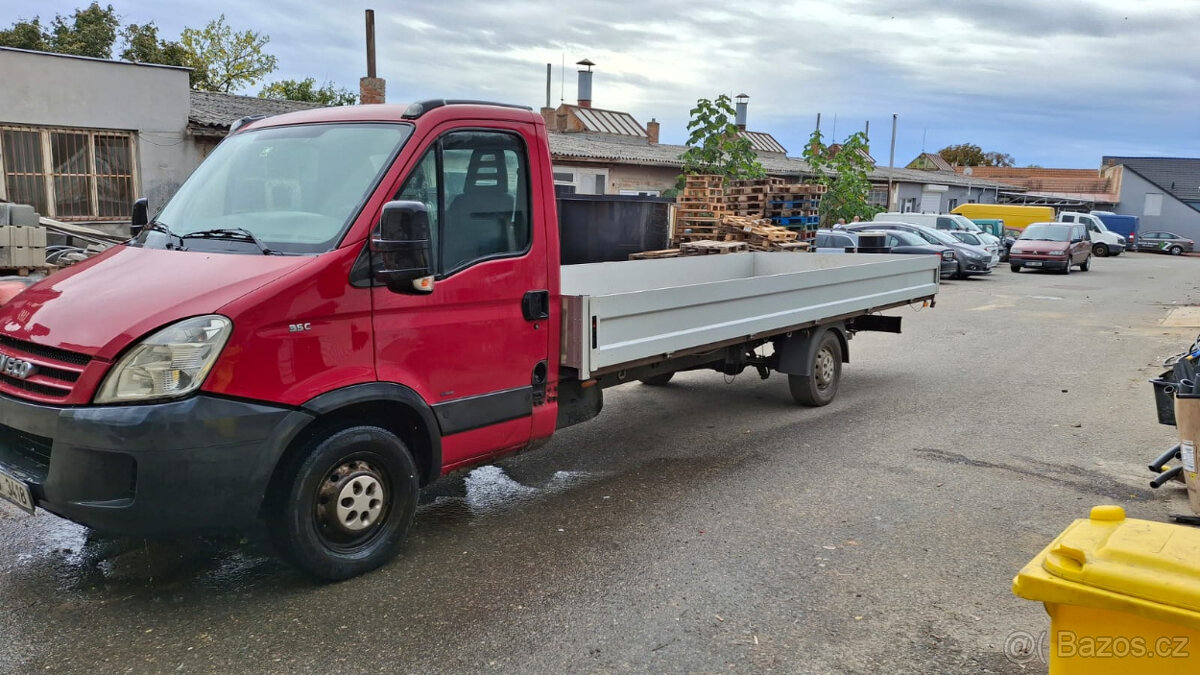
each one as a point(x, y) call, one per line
point(751, 197)
point(760, 234)
point(796, 207)
point(699, 208)
point(710, 247)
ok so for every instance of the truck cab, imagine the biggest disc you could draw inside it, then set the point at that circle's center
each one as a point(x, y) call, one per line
point(1104, 242)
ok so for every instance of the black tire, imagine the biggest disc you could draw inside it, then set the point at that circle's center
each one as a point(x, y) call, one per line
point(1086, 264)
point(658, 380)
point(1175, 250)
point(330, 479)
point(1067, 269)
point(1100, 250)
point(821, 387)
point(1015, 268)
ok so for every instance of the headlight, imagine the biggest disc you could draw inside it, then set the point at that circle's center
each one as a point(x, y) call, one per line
point(1058, 252)
point(170, 363)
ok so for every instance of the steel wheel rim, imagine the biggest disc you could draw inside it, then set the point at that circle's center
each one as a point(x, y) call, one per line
point(823, 368)
point(352, 504)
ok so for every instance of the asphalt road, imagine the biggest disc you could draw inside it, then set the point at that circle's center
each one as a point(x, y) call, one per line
point(705, 526)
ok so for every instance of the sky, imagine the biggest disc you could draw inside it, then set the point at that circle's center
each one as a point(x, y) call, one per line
point(1056, 83)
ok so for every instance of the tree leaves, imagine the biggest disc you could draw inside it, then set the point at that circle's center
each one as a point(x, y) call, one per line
point(715, 145)
point(969, 154)
point(90, 31)
point(223, 60)
point(307, 90)
point(844, 170)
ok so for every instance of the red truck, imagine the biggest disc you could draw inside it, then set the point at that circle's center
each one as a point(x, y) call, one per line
point(340, 306)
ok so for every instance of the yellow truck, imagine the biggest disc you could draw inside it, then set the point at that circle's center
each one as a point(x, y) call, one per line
point(1015, 216)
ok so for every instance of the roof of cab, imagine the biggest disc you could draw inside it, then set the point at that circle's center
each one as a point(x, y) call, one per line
point(400, 112)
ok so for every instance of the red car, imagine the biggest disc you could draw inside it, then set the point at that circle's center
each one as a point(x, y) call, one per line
point(1052, 246)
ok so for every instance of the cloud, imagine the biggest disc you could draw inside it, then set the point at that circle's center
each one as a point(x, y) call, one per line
point(1058, 83)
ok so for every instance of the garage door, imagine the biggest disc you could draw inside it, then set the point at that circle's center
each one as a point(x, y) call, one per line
point(931, 202)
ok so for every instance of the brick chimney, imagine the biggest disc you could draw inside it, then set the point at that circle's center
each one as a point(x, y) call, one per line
point(548, 116)
point(652, 131)
point(371, 89)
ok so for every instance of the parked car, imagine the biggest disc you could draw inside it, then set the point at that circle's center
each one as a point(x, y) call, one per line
point(1052, 246)
point(1126, 226)
point(977, 240)
point(1164, 242)
point(971, 259)
point(1104, 242)
point(905, 243)
point(939, 221)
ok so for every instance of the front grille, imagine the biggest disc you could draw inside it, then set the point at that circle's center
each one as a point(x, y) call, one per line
point(53, 353)
point(57, 370)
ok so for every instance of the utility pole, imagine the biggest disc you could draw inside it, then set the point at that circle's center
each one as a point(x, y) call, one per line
point(891, 164)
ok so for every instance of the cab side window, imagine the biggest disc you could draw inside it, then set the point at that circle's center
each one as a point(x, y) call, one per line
point(475, 185)
point(486, 197)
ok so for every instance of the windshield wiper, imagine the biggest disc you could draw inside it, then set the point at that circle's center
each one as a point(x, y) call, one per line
point(162, 227)
point(234, 233)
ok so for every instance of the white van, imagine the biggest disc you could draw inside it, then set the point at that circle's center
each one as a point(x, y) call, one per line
point(1105, 242)
point(946, 221)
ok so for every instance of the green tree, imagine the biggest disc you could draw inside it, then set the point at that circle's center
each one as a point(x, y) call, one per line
point(142, 45)
point(90, 31)
point(715, 145)
point(969, 154)
point(307, 90)
point(25, 35)
point(223, 60)
point(845, 174)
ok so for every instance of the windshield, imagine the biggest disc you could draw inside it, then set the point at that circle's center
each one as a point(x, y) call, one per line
point(1047, 232)
point(967, 237)
point(907, 239)
point(967, 224)
point(293, 188)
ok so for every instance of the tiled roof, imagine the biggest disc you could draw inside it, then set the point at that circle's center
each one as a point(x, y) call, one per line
point(218, 111)
point(607, 121)
point(763, 142)
point(1058, 181)
point(1178, 175)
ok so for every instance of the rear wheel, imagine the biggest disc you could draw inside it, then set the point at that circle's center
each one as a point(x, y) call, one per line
point(821, 387)
point(658, 380)
point(346, 502)
point(1175, 250)
point(1100, 250)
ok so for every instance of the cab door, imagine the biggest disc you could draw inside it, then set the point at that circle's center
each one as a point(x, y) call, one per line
point(474, 346)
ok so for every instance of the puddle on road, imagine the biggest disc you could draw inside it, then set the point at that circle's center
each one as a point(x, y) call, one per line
point(79, 559)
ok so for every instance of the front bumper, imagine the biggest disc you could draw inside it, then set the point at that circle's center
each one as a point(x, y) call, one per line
point(201, 463)
point(977, 266)
point(1039, 263)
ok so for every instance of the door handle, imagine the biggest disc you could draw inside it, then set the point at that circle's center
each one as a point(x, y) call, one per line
point(535, 306)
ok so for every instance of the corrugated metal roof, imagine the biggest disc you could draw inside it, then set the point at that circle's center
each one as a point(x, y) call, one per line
point(608, 122)
point(763, 142)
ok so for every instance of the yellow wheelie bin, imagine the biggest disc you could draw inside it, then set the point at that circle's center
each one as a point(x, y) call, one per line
point(1123, 595)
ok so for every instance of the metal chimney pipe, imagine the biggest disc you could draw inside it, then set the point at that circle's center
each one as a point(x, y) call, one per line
point(548, 75)
point(585, 83)
point(370, 43)
point(743, 102)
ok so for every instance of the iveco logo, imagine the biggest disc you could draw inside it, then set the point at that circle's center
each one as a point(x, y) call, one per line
point(14, 367)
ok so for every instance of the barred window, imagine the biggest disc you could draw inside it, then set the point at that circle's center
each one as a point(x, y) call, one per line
point(69, 174)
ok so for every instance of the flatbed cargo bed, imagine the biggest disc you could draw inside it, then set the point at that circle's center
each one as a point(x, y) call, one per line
point(621, 313)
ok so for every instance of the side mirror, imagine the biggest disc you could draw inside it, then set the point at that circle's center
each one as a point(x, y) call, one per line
point(401, 248)
point(139, 217)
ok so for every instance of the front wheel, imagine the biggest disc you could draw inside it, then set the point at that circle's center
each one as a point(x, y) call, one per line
point(821, 386)
point(1015, 268)
point(1100, 250)
point(346, 502)
point(1086, 264)
point(1175, 250)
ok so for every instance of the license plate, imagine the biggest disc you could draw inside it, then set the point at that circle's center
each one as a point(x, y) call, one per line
point(16, 492)
point(1034, 263)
